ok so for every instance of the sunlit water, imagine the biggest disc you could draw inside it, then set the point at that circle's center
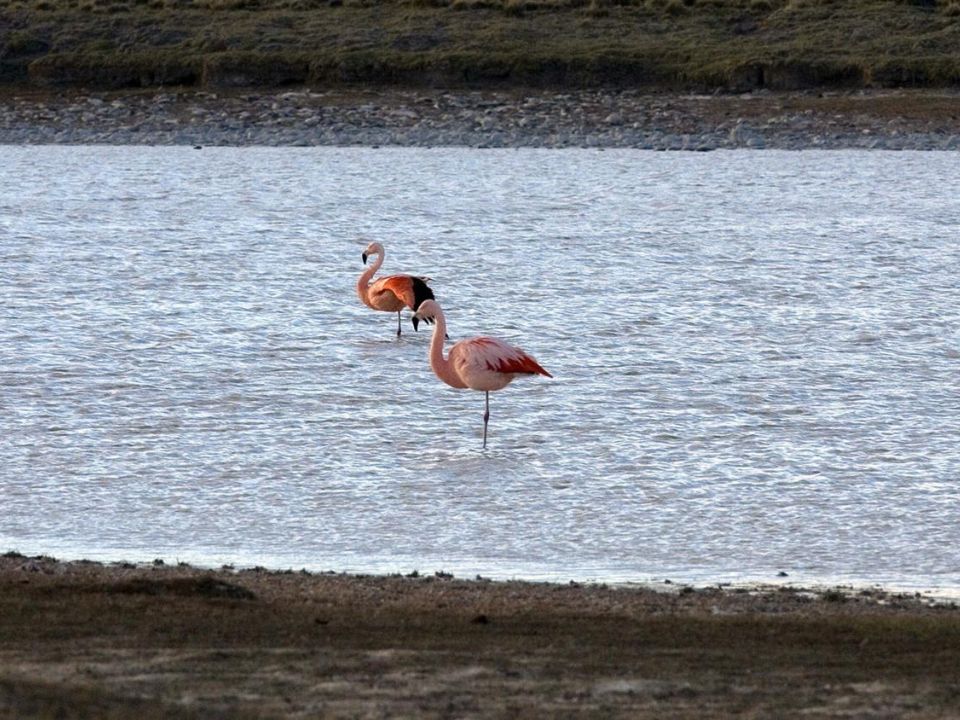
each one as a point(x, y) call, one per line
point(756, 362)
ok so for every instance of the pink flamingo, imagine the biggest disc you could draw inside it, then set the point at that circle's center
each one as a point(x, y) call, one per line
point(480, 363)
point(391, 293)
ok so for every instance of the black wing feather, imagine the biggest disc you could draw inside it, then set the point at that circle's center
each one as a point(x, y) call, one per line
point(421, 292)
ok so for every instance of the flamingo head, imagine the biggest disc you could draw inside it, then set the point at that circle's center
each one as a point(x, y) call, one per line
point(428, 311)
point(373, 248)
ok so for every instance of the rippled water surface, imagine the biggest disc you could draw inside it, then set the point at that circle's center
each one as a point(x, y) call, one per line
point(756, 359)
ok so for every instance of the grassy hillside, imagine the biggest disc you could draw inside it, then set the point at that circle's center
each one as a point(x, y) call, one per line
point(675, 44)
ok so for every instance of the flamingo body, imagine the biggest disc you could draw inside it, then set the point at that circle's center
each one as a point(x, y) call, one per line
point(395, 292)
point(488, 363)
point(391, 293)
point(481, 363)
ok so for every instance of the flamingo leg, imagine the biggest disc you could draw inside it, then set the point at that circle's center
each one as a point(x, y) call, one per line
point(486, 419)
point(398, 323)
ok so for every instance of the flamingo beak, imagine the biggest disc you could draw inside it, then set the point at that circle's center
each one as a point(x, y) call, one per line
point(416, 323)
point(364, 256)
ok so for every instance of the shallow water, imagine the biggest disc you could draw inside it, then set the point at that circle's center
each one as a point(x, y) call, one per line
point(755, 355)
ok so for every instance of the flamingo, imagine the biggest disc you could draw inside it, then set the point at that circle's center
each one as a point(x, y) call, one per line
point(480, 363)
point(391, 293)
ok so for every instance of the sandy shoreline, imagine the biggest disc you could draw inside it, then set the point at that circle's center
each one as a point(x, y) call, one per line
point(84, 639)
point(891, 120)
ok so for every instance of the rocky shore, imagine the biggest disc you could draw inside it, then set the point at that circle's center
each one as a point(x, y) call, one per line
point(887, 120)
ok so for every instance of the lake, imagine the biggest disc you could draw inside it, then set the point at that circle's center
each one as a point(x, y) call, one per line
point(756, 361)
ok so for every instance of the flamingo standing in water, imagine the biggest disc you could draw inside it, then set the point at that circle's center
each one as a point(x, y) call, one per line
point(480, 363)
point(391, 293)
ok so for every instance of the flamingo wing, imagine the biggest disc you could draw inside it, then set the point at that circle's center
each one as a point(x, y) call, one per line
point(409, 290)
point(495, 355)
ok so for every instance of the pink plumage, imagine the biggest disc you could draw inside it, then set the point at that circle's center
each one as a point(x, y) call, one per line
point(393, 292)
point(481, 355)
point(480, 363)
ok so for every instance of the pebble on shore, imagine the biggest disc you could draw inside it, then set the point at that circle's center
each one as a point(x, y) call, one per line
point(427, 118)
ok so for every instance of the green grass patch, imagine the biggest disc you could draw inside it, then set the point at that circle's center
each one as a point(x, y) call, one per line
point(670, 44)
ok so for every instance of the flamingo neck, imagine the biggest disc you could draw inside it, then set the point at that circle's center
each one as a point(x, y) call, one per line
point(441, 365)
point(363, 283)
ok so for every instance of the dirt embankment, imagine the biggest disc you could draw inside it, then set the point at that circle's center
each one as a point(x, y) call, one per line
point(652, 74)
point(90, 640)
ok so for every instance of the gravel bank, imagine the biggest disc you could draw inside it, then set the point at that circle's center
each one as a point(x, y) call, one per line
point(890, 121)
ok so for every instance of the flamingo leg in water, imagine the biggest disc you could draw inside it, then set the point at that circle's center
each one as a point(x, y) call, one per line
point(398, 323)
point(486, 419)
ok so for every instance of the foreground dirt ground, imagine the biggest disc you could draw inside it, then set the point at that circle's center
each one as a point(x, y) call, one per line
point(85, 640)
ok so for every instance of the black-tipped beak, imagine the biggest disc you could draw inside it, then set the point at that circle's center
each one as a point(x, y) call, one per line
point(364, 256)
point(416, 323)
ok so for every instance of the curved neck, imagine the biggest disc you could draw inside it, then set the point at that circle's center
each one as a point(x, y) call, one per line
point(363, 283)
point(441, 365)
